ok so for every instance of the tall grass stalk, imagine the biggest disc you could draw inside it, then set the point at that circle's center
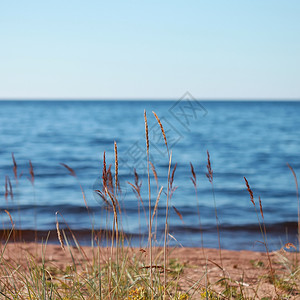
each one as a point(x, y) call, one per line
point(32, 179)
point(15, 171)
point(194, 181)
point(117, 205)
point(167, 204)
point(149, 194)
point(262, 228)
point(166, 227)
point(210, 177)
point(115, 230)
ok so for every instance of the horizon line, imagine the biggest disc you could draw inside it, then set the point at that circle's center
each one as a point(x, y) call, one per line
point(152, 99)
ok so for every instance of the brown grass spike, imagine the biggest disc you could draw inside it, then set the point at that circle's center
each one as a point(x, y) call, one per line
point(260, 208)
point(146, 131)
point(162, 130)
point(10, 189)
point(110, 179)
point(15, 168)
point(6, 188)
point(104, 174)
point(154, 173)
point(103, 197)
point(72, 172)
point(149, 193)
point(9, 215)
point(194, 178)
point(250, 191)
point(61, 241)
point(156, 203)
point(31, 172)
point(178, 213)
point(209, 173)
point(172, 176)
point(116, 167)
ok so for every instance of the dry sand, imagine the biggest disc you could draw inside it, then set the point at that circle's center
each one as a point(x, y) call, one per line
point(246, 270)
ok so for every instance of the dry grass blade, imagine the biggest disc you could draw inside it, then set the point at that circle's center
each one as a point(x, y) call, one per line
point(137, 183)
point(61, 241)
point(136, 190)
point(156, 203)
point(104, 174)
point(260, 208)
point(103, 197)
point(178, 213)
point(154, 267)
point(116, 166)
point(6, 188)
point(172, 189)
point(162, 130)
point(149, 201)
point(87, 260)
point(15, 168)
point(209, 173)
point(220, 267)
point(110, 180)
point(173, 237)
point(289, 246)
point(9, 215)
point(294, 174)
point(31, 172)
point(146, 131)
point(172, 176)
point(72, 172)
point(111, 193)
point(154, 173)
point(166, 226)
point(194, 178)
point(133, 186)
point(249, 190)
point(114, 202)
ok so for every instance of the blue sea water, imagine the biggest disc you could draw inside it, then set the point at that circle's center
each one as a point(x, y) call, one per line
point(252, 139)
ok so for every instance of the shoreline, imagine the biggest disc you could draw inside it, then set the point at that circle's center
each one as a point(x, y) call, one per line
point(103, 236)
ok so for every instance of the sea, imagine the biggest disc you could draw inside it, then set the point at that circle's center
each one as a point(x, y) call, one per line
point(258, 140)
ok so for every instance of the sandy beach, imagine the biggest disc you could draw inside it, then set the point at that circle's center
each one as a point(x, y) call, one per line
point(246, 271)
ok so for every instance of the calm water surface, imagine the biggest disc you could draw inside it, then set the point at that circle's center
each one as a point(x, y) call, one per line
point(251, 139)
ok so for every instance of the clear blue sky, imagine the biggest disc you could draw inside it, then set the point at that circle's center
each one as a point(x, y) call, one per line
point(150, 49)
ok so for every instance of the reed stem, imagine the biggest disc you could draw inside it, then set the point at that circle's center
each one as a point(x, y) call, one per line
point(149, 194)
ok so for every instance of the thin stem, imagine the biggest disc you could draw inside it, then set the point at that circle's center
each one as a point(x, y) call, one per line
point(149, 191)
point(265, 242)
point(166, 229)
point(217, 223)
point(150, 219)
point(200, 224)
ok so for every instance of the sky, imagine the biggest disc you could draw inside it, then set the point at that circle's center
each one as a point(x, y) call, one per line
point(150, 49)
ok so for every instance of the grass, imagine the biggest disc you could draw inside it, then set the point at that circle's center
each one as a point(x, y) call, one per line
point(123, 272)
